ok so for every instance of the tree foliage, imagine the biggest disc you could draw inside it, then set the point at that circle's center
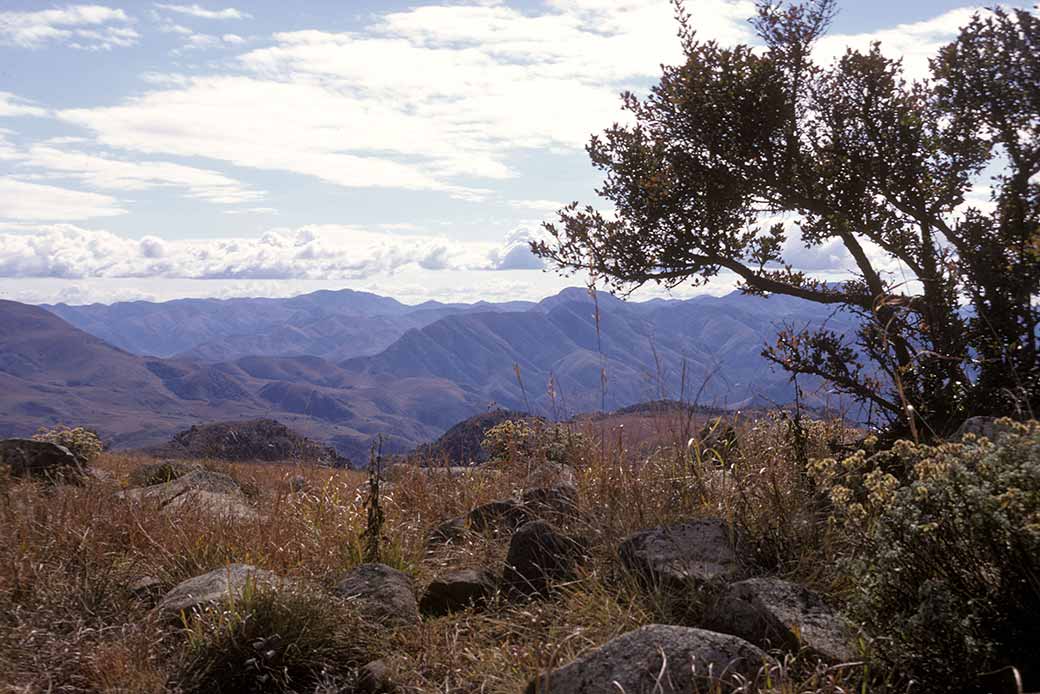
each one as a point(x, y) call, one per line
point(742, 154)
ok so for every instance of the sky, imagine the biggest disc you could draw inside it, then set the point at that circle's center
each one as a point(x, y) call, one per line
point(269, 148)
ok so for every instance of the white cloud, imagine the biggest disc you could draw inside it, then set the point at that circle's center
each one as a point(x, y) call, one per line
point(537, 205)
point(515, 253)
point(915, 43)
point(458, 89)
point(232, 39)
point(107, 173)
point(12, 105)
point(253, 210)
point(318, 252)
point(21, 200)
point(203, 13)
point(89, 27)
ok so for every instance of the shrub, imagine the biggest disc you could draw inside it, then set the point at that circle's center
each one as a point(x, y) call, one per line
point(945, 552)
point(83, 443)
point(527, 439)
point(273, 641)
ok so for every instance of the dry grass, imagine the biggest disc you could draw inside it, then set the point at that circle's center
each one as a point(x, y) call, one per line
point(71, 624)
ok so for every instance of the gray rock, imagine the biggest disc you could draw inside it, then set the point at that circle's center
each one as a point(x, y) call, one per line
point(448, 531)
point(41, 460)
point(298, 484)
point(559, 502)
point(229, 506)
point(375, 678)
point(773, 613)
point(656, 659)
point(497, 515)
point(682, 556)
point(160, 472)
point(382, 593)
point(457, 591)
point(539, 556)
point(199, 480)
point(145, 586)
point(216, 586)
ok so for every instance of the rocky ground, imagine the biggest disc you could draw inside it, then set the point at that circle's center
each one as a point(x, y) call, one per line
point(579, 576)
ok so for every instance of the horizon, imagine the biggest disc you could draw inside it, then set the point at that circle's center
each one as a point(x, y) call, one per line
point(156, 151)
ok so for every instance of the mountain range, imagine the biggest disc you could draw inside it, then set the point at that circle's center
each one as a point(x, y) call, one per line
point(342, 367)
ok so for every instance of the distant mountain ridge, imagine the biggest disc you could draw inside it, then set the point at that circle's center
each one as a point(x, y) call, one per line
point(453, 361)
point(335, 325)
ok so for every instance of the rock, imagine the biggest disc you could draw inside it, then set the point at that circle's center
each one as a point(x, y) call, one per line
point(656, 658)
point(539, 556)
point(298, 484)
point(160, 472)
point(551, 475)
point(496, 515)
point(200, 480)
point(552, 503)
point(374, 678)
point(457, 591)
point(773, 613)
point(216, 586)
point(220, 505)
point(448, 531)
point(40, 460)
point(145, 586)
point(383, 594)
point(682, 556)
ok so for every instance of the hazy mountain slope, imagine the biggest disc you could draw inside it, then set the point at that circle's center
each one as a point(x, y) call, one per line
point(333, 324)
point(645, 349)
point(51, 372)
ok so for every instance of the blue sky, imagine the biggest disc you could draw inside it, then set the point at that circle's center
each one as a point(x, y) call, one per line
point(158, 150)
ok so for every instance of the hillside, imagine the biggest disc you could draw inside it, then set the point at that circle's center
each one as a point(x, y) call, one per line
point(54, 373)
point(708, 348)
point(335, 325)
point(705, 350)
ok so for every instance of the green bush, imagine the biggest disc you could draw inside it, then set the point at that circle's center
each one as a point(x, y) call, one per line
point(944, 553)
point(274, 641)
point(83, 443)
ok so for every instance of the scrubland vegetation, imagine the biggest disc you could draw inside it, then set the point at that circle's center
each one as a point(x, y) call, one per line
point(934, 550)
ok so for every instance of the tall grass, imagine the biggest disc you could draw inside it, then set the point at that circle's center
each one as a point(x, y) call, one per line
point(72, 552)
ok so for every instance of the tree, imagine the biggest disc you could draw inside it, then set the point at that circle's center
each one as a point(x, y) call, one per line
point(739, 148)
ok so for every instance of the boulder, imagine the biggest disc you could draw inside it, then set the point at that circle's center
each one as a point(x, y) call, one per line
point(539, 556)
point(659, 659)
point(448, 531)
point(559, 502)
point(497, 515)
point(40, 460)
point(229, 506)
point(682, 556)
point(457, 591)
point(773, 613)
point(160, 472)
point(382, 593)
point(199, 480)
point(216, 586)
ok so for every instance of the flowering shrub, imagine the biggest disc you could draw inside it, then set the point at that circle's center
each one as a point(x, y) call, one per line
point(83, 443)
point(944, 552)
point(525, 439)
